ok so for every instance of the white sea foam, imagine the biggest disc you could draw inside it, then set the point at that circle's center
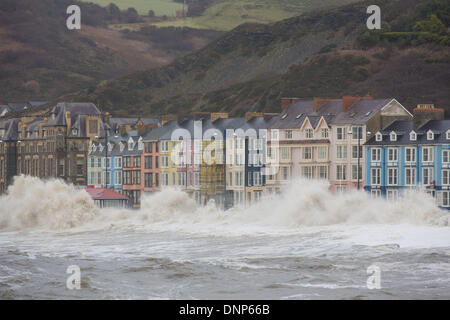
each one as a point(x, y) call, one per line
point(54, 205)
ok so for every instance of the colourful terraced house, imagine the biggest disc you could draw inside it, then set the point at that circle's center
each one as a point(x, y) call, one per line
point(409, 155)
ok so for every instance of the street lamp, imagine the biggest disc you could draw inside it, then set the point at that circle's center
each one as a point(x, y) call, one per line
point(350, 132)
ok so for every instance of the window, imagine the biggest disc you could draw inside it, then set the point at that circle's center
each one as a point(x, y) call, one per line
point(447, 134)
point(307, 153)
point(427, 176)
point(392, 154)
point(181, 178)
point(324, 133)
point(392, 194)
point(430, 135)
point(137, 161)
point(323, 172)
point(376, 176)
point(196, 178)
point(410, 154)
point(445, 199)
point(412, 136)
point(309, 133)
point(446, 156)
point(136, 177)
point(127, 162)
point(286, 153)
point(118, 178)
point(165, 146)
point(376, 193)
point(288, 134)
point(410, 175)
point(392, 176)
point(445, 177)
point(148, 147)
point(356, 133)
point(284, 173)
point(257, 178)
point(323, 153)
point(393, 136)
point(378, 137)
point(165, 179)
point(118, 163)
point(80, 166)
point(341, 152)
point(99, 162)
point(355, 153)
point(341, 188)
point(127, 177)
point(164, 161)
point(257, 195)
point(341, 133)
point(307, 172)
point(148, 162)
point(376, 154)
point(427, 154)
point(355, 173)
point(341, 173)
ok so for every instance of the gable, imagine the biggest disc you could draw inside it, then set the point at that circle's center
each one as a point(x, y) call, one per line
point(394, 108)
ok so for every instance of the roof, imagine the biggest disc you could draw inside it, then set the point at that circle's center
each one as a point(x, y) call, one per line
point(104, 194)
point(361, 111)
point(403, 128)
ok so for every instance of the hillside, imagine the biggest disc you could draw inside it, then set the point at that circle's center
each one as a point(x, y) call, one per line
point(319, 54)
point(225, 15)
point(40, 59)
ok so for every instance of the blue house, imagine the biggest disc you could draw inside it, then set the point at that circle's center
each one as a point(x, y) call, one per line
point(404, 156)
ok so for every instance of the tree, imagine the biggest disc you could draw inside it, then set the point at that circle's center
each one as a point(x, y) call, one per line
point(132, 15)
point(432, 25)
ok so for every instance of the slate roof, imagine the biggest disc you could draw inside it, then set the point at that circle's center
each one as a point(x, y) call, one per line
point(403, 128)
point(104, 194)
point(361, 111)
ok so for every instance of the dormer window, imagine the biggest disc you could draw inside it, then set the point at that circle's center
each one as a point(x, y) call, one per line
point(74, 131)
point(122, 146)
point(94, 148)
point(140, 144)
point(110, 147)
point(430, 135)
point(309, 133)
point(130, 144)
point(393, 136)
point(378, 136)
point(412, 136)
point(447, 135)
point(101, 147)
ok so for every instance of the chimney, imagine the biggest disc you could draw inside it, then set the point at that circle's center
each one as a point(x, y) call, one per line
point(287, 101)
point(348, 101)
point(218, 115)
point(250, 115)
point(168, 117)
point(68, 121)
point(425, 112)
point(106, 117)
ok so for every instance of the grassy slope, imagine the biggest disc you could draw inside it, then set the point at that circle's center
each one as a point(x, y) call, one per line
point(40, 59)
point(228, 14)
point(160, 7)
point(251, 67)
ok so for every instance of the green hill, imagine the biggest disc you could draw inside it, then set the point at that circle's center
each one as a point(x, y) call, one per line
point(328, 53)
point(40, 59)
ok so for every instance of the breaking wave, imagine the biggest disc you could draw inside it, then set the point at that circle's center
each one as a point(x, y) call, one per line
point(32, 203)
